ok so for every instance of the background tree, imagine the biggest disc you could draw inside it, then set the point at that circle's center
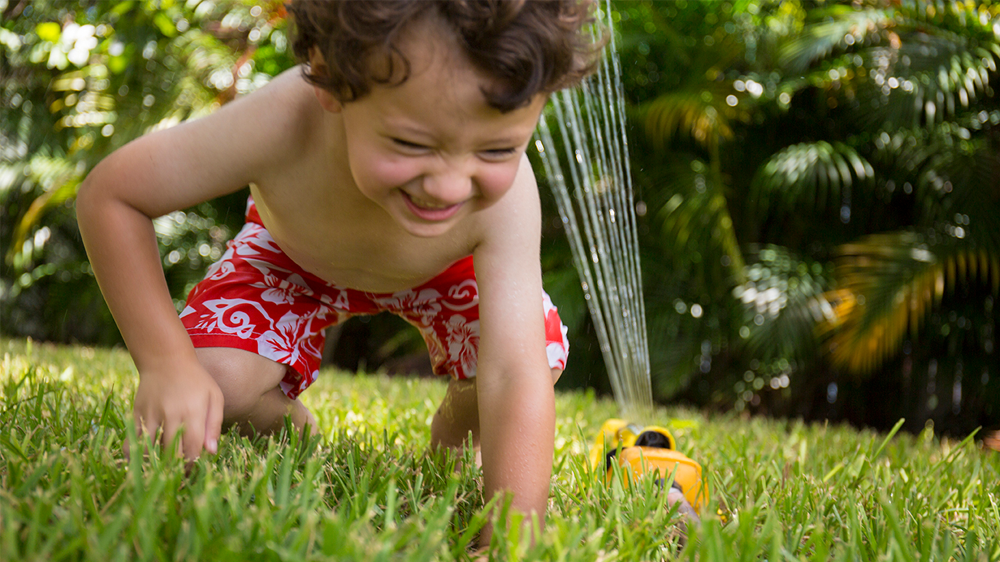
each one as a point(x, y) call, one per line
point(841, 152)
point(905, 90)
point(80, 80)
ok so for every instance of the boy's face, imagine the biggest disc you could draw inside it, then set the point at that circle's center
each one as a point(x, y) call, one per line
point(430, 151)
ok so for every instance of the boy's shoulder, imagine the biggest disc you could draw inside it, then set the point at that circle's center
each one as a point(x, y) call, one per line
point(268, 131)
point(286, 106)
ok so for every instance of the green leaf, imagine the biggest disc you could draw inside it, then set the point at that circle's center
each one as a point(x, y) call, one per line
point(165, 24)
point(122, 8)
point(48, 31)
point(829, 33)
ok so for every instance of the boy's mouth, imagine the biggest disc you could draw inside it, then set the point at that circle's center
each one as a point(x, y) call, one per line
point(429, 211)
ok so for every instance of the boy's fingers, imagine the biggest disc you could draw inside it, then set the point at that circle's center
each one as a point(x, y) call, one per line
point(140, 425)
point(213, 422)
point(143, 427)
point(192, 441)
point(172, 431)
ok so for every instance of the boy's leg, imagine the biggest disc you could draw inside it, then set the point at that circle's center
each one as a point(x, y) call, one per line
point(254, 308)
point(450, 338)
point(459, 414)
point(253, 400)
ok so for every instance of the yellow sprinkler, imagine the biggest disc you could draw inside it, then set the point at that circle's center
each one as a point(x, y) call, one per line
point(649, 450)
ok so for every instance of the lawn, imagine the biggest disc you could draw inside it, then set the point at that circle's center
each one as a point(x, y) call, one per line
point(368, 489)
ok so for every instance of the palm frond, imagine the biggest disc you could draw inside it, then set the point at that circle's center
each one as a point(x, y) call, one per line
point(887, 285)
point(955, 178)
point(782, 300)
point(699, 112)
point(59, 181)
point(707, 104)
point(696, 216)
point(836, 29)
point(965, 188)
point(924, 79)
point(913, 65)
point(817, 175)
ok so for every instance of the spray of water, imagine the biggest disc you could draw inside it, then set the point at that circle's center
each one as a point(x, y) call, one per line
point(588, 172)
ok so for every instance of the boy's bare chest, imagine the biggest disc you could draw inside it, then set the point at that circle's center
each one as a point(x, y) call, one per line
point(356, 246)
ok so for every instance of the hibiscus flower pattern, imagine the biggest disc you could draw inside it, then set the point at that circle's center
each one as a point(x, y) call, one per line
point(463, 344)
point(281, 291)
point(280, 344)
point(423, 305)
point(257, 299)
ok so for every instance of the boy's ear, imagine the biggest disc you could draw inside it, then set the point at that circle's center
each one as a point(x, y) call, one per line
point(328, 100)
point(317, 67)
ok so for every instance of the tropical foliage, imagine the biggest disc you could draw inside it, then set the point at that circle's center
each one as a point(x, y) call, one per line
point(81, 79)
point(848, 155)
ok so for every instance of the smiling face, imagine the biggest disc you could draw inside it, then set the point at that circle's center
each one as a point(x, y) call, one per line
point(430, 151)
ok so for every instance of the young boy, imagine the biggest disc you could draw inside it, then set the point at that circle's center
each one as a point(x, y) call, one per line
point(387, 174)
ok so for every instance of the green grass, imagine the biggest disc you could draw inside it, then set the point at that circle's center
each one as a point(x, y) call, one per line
point(368, 489)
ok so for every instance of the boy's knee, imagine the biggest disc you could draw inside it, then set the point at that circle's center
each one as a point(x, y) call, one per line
point(460, 400)
point(457, 415)
point(243, 378)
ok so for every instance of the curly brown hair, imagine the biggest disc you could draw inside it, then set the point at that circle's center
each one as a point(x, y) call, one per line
point(528, 46)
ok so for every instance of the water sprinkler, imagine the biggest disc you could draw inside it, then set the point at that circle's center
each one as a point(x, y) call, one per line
point(650, 451)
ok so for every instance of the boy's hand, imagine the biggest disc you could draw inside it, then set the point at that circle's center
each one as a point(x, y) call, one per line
point(183, 400)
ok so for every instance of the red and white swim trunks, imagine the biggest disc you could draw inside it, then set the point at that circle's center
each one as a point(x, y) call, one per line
point(257, 299)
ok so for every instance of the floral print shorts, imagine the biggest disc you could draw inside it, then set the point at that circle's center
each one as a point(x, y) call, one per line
point(257, 299)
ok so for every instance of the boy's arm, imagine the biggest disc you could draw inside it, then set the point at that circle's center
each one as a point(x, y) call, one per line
point(514, 381)
point(147, 178)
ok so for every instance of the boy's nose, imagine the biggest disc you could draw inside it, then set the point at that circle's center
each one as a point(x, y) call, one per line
point(448, 187)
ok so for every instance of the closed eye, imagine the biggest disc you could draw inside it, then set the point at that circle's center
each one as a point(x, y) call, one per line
point(408, 145)
point(499, 153)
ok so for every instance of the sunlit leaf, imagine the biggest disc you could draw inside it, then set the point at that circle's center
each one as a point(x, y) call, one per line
point(701, 114)
point(888, 283)
point(783, 299)
point(697, 216)
point(164, 24)
point(48, 31)
point(831, 32)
